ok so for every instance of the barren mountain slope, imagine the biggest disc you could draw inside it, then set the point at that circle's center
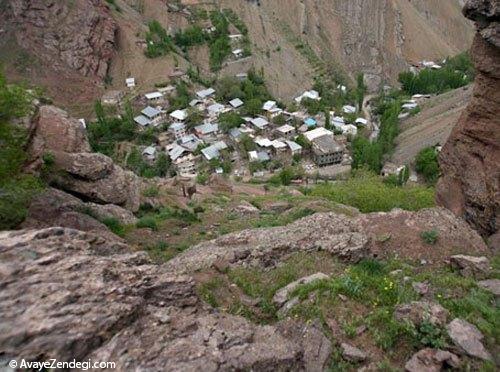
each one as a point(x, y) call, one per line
point(432, 126)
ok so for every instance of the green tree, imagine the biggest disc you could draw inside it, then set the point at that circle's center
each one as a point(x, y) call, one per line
point(426, 164)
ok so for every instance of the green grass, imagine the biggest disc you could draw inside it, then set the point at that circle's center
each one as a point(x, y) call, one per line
point(369, 193)
point(114, 225)
point(147, 222)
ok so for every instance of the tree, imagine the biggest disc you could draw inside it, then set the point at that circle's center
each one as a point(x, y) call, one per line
point(229, 120)
point(360, 90)
point(426, 163)
point(253, 106)
point(162, 165)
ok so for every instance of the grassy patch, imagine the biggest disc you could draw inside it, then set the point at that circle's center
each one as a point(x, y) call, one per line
point(369, 193)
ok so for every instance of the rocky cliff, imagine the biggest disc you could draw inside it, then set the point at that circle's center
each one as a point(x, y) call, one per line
point(470, 160)
point(90, 176)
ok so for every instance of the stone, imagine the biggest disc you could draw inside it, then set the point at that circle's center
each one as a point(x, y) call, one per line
point(287, 306)
point(468, 338)
point(361, 329)
point(335, 328)
point(470, 266)
point(103, 211)
point(72, 294)
point(432, 360)
point(277, 206)
point(492, 285)
point(281, 296)
point(421, 288)
point(245, 209)
point(469, 160)
point(352, 353)
point(417, 312)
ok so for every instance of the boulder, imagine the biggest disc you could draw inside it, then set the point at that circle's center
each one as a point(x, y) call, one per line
point(476, 267)
point(68, 294)
point(86, 166)
point(281, 296)
point(421, 288)
point(245, 209)
point(468, 338)
point(432, 360)
point(103, 211)
point(492, 285)
point(418, 312)
point(352, 353)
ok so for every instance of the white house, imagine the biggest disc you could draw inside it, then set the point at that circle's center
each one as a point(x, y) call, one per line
point(179, 115)
point(294, 147)
point(269, 105)
point(286, 130)
point(316, 133)
point(213, 151)
point(361, 121)
point(236, 103)
point(348, 109)
point(178, 130)
point(154, 96)
point(155, 116)
point(205, 93)
point(130, 82)
point(215, 109)
point(311, 94)
point(260, 123)
point(149, 153)
point(238, 53)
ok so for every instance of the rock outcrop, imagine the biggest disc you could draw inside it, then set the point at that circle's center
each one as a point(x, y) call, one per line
point(350, 238)
point(79, 35)
point(470, 160)
point(92, 177)
point(68, 294)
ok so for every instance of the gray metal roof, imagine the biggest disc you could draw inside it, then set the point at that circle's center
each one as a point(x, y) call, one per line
point(150, 112)
point(142, 120)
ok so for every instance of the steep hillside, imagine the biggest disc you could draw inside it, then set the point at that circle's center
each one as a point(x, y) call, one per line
point(293, 41)
point(432, 126)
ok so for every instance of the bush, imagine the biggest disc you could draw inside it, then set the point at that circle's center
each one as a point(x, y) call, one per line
point(114, 225)
point(430, 237)
point(158, 41)
point(147, 222)
point(426, 164)
point(151, 192)
point(367, 192)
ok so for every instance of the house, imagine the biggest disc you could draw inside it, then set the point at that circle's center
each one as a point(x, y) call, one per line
point(205, 93)
point(279, 146)
point(350, 130)
point(294, 147)
point(342, 88)
point(206, 129)
point(213, 151)
point(176, 152)
point(190, 142)
point(409, 106)
point(260, 156)
point(149, 153)
point(327, 151)
point(241, 76)
point(310, 122)
point(130, 82)
point(155, 116)
point(310, 94)
point(286, 131)
point(178, 130)
point(361, 121)
point(112, 97)
point(269, 105)
point(236, 103)
point(179, 115)
point(154, 96)
point(185, 166)
point(215, 109)
point(195, 102)
point(390, 169)
point(235, 134)
point(238, 53)
point(338, 122)
point(83, 123)
point(316, 133)
point(142, 121)
point(168, 90)
point(348, 109)
point(263, 142)
point(260, 123)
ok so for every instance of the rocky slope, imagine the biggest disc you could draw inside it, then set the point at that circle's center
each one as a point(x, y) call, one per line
point(470, 159)
point(64, 46)
point(90, 176)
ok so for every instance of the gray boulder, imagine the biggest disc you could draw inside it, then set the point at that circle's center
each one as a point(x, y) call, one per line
point(468, 338)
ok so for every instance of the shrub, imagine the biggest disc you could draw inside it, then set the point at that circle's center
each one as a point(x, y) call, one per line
point(114, 225)
point(151, 191)
point(158, 41)
point(426, 163)
point(430, 236)
point(147, 222)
